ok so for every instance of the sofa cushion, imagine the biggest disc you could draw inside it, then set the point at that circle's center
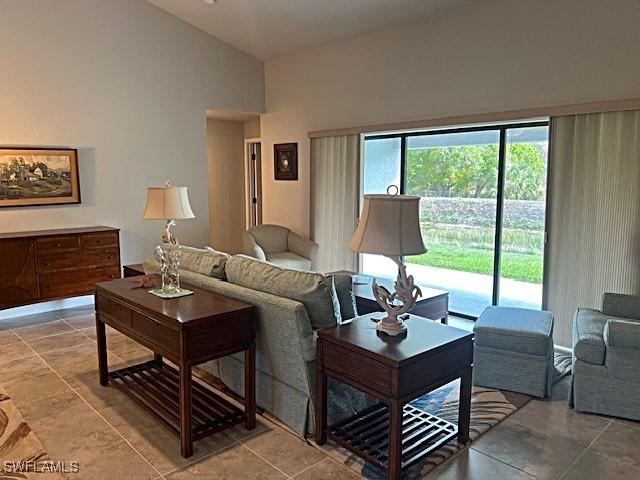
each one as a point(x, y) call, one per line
point(289, 260)
point(346, 298)
point(515, 329)
point(314, 290)
point(206, 261)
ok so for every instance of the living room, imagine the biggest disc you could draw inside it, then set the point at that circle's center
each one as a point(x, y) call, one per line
point(508, 135)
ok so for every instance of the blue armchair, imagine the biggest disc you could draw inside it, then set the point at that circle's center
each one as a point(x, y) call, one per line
point(606, 358)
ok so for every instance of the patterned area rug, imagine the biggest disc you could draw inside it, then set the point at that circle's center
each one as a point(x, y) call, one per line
point(22, 455)
point(488, 408)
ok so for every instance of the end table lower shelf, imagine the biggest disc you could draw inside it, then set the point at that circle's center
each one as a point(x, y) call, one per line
point(156, 387)
point(367, 434)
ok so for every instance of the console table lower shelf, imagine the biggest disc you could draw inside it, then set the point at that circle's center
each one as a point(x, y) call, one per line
point(156, 387)
point(367, 434)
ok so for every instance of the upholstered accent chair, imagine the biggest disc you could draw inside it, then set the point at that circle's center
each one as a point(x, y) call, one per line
point(606, 358)
point(280, 246)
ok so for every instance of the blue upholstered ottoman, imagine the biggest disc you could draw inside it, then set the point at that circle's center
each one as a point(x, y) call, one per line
point(514, 350)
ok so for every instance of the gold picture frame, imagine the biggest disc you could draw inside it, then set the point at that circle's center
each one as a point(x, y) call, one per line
point(37, 177)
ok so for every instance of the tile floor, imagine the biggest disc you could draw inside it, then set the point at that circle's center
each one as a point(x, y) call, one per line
point(48, 365)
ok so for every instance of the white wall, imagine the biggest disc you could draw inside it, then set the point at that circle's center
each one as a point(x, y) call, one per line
point(487, 56)
point(128, 85)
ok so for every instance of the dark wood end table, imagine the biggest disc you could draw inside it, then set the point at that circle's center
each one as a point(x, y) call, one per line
point(187, 331)
point(393, 435)
point(132, 270)
point(433, 304)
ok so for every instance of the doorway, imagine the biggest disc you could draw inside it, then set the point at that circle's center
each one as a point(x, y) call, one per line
point(253, 150)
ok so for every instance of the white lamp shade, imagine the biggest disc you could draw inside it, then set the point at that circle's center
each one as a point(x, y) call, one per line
point(389, 225)
point(167, 203)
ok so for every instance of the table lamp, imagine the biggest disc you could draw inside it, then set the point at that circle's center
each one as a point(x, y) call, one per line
point(390, 225)
point(168, 203)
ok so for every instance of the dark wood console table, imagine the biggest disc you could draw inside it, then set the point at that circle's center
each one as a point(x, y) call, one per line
point(393, 435)
point(188, 331)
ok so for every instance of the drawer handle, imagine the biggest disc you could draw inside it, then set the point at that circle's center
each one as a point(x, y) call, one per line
point(59, 245)
point(98, 241)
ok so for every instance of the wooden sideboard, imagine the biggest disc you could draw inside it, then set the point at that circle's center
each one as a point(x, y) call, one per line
point(53, 264)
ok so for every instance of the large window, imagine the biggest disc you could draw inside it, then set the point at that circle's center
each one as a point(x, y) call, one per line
point(482, 209)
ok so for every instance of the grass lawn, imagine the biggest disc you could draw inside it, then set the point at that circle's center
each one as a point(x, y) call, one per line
point(516, 266)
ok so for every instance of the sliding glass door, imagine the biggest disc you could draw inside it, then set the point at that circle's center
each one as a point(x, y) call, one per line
point(482, 203)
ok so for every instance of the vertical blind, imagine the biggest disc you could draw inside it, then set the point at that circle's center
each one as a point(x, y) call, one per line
point(334, 199)
point(593, 219)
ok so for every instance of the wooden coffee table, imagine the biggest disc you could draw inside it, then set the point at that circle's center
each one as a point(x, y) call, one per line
point(187, 331)
point(393, 435)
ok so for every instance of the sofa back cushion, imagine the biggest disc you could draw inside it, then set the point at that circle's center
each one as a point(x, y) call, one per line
point(314, 290)
point(205, 261)
point(272, 238)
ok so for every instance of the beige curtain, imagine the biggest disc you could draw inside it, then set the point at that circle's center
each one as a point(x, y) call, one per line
point(593, 219)
point(334, 199)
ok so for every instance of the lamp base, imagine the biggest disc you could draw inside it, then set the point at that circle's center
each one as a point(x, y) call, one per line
point(391, 326)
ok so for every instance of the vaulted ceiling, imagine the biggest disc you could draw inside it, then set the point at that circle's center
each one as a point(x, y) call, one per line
point(267, 29)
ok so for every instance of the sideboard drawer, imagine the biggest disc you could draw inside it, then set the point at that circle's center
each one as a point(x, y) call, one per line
point(57, 244)
point(99, 240)
point(81, 282)
point(158, 333)
point(108, 257)
point(115, 313)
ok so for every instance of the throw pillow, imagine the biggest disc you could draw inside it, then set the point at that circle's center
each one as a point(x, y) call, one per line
point(206, 261)
point(314, 290)
point(344, 290)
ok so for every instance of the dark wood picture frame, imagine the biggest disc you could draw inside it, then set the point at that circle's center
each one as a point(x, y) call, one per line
point(285, 161)
point(38, 177)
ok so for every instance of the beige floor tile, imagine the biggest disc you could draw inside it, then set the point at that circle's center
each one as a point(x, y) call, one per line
point(100, 397)
point(118, 461)
point(238, 432)
point(136, 356)
point(7, 336)
point(75, 311)
point(328, 469)
point(593, 466)
point(82, 321)
point(541, 455)
point(556, 418)
point(22, 368)
point(15, 351)
point(68, 427)
point(33, 388)
point(234, 463)
point(161, 447)
point(284, 450)
point(71, 339)
point(44, 330)
point(473, 465)
point(621, 442)
point(628, 423)
point(28, 320)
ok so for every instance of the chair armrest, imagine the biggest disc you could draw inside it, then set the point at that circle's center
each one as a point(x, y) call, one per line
point(303, 247)
point(620, 333)
point(251, 248)
point(620, 305)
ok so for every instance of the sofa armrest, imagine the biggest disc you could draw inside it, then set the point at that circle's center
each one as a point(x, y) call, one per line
point(251, 248)
point(620, 333)
point(303, 247)
point(620, 305)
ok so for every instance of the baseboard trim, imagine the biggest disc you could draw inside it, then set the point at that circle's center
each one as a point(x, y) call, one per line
point(46, 307)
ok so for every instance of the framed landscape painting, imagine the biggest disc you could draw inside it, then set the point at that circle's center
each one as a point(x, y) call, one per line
point(38, 177)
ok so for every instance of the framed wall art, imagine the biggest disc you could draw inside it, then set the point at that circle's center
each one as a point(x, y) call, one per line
point(285, 158)
point(30, 177)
